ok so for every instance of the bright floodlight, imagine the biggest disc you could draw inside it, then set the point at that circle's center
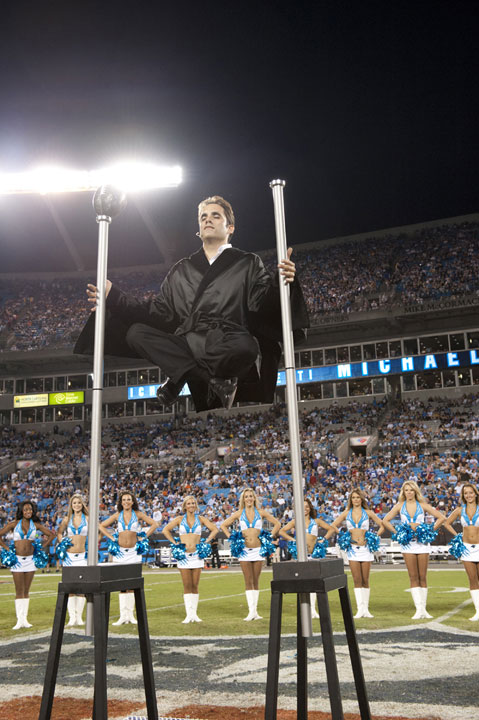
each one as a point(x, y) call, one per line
point(129, 177)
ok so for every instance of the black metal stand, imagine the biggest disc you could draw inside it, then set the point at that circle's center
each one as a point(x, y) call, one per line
point(320, 577)
point(97, 582)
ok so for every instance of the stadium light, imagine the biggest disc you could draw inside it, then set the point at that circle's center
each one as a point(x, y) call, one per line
point(127, 176)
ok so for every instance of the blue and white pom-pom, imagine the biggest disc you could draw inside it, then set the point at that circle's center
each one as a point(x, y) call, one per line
point(9, 557)
point(344, 540)
point(373, 541)
point(62, 548)
point(320, 549)
point(237, 544)
point(425, 533)
point(40, 557)
point(457, 547)
point(142, 544)
point(113, 546)
point(267, 545)
point(203, 549)
point(178, 551)
point(292, 549)
point(404, 534)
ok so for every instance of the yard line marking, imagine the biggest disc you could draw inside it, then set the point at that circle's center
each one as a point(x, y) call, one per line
point(455, 610)
point(203, 600)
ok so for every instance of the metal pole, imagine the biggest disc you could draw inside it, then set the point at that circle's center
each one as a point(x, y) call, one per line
point(108, 202)
point(97, 391)
point(292, 402)
point(97, 397)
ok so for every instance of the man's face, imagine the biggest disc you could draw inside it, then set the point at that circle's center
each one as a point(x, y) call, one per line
point(213, 223)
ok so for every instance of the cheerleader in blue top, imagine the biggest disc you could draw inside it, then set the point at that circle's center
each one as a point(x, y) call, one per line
point(357, 516)
point(468, 513)
point(25, 528)
point(313, 524)
point(190, 525)
point(75, 527)
point(250, 519)
point(130, 521)
point(412, 508)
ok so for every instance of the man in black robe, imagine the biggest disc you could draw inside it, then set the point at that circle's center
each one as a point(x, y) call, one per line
point(215, 324)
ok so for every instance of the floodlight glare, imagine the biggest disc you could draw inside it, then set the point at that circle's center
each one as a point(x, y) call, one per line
point(128, 176)
point(131, 177)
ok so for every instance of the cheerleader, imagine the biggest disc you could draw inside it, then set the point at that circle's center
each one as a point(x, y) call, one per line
point(313, 523)
point(190, 525)
point(72, 549)
point(468, 513)
point(125, 548)
point(357, 517)
point(412, 508)
point(250, 519)
point(25, 528)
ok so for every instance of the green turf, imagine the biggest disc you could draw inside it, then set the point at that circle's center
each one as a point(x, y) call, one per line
point(222, 604)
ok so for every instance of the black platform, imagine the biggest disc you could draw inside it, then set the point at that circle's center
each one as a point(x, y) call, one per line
point(97, 582)
point(320, 577)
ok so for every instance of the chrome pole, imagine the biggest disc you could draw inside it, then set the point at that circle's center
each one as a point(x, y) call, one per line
point(97, 390)
point(292, 400)
point(108, 202)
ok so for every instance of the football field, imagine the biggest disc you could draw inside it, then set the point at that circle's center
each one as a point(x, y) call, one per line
point(413, 669)
point(222, 603)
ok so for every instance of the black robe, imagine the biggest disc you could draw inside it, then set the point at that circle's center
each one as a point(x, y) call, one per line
point(235, 291)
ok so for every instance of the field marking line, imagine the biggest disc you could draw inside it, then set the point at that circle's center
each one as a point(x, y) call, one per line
point(203, 600)
point(454, 611)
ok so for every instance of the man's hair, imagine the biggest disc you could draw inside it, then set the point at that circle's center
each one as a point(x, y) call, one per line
point(218, 200)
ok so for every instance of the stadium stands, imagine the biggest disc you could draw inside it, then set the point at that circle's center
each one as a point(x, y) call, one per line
point(432, 267)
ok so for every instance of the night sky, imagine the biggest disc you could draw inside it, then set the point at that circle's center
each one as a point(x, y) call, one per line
point(367, 109)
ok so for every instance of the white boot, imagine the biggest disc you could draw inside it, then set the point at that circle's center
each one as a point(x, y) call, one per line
point(123, 600)
point(72, 610)
point(366, 593)
point(19, 613)
point(475, 600)
point(314, 613)
point(251, 608)
point(194, 606)
point(358, 594)
point(417, 598)
point(255, 605)
point(187, 601)
point(424, 612)
point(130, 606)
point(81, 600)
point(26, 603)
point(194, 598)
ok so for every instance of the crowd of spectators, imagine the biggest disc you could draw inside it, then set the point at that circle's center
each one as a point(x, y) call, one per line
point(432, 265)
point(378, 273)
point(37, 314)
point(162, 462)
point(414, 424)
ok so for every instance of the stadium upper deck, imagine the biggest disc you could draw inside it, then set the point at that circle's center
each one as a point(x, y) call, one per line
point(375, 301)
